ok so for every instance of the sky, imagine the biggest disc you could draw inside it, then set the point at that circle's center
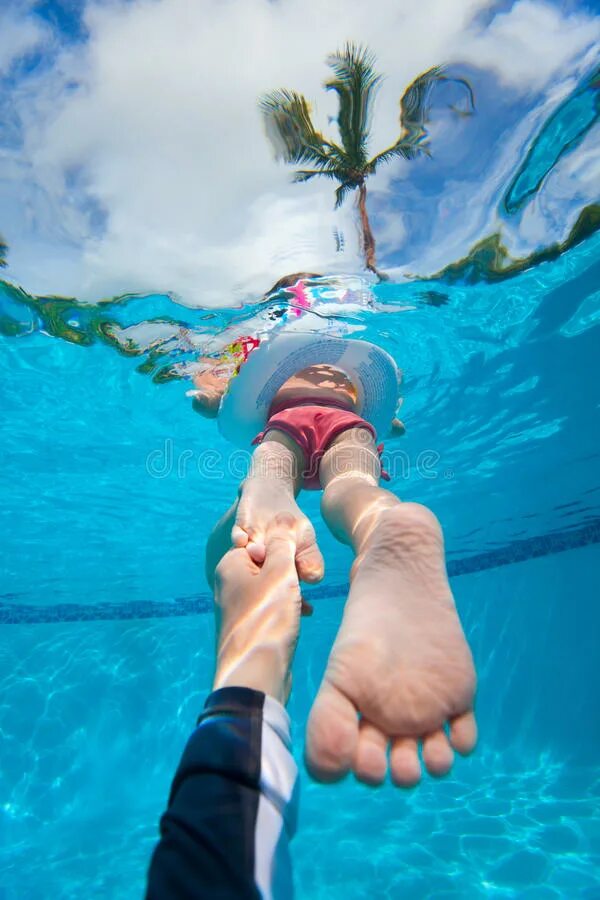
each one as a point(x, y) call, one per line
point(133, 157)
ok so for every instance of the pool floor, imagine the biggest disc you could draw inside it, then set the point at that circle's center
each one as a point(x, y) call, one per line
point(93, 717)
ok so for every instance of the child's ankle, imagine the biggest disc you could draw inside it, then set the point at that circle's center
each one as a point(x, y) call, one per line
point(275, 464)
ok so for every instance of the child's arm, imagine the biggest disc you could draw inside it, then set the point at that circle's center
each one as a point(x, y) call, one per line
point(210, 384)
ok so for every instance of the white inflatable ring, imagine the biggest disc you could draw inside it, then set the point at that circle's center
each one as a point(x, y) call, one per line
point(245, 405)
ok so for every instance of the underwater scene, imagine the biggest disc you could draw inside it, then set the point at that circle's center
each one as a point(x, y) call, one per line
point(183, 188)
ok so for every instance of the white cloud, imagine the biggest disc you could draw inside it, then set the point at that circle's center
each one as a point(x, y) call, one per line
point(532, 42)
point(162, 136)
point(391, 230)
point(20, 33)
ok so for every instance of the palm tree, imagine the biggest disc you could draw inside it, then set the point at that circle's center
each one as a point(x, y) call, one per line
point(296, 140)
point(3, 252)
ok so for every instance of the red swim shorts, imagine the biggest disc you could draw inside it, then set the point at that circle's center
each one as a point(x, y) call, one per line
point(313, 428)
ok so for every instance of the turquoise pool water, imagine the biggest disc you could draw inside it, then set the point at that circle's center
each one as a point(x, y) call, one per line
point(107, 643)
point(111, 485)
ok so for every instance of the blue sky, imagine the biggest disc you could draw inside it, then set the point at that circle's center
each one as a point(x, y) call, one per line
point(63, 15)
point(132, 156)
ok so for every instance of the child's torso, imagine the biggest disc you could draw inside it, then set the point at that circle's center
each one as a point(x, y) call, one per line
point(320, 385)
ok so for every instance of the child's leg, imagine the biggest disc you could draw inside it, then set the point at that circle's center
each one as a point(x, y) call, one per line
point(270, 489)
point(400, 659)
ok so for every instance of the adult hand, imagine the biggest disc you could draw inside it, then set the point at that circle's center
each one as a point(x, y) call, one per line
point(258, 611)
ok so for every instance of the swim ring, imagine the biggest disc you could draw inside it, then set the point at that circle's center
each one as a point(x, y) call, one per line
point(245, 405)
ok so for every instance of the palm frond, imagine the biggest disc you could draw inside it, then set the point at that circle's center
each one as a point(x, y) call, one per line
point(3, 252)
point(415, 103)
point(304, 175)
point(414, 113)
point(355, 82)
point(415, 106)
point(470, 96)
point(402, 149)
point(301, 175)
point(341, 192)
point(290, 129)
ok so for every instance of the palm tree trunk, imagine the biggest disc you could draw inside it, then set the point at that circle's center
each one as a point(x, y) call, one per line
point(368, 240)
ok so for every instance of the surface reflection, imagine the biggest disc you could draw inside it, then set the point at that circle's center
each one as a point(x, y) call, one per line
point(355, 83)
point(141, 167)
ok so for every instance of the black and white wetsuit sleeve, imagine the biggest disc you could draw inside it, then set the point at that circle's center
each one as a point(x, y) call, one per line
point(232, 807)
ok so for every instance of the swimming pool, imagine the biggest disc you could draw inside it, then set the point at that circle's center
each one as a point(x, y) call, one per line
point(111, 484)
point(107, 645)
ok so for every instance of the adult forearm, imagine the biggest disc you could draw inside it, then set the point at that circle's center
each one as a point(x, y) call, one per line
point(232, 806)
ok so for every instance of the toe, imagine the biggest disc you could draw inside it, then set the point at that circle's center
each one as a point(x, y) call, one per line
point(309, 561)
point(463, 733)
point(331, 735)
point(437, 753)
point(252, 539)
point(309, 564)
point(257, 552)
point(239, 537)
point(404, 762)
point(370, 764)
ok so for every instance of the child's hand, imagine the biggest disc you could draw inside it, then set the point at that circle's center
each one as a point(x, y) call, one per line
point(397, 428)
point(209, 389)
point(205, 402)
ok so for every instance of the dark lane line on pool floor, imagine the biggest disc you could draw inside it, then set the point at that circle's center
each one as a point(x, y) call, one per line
point(515, 552)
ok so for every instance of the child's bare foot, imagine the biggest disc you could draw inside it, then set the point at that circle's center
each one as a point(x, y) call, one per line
point(261, 501)
point(400, 661)
point(269, 491)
